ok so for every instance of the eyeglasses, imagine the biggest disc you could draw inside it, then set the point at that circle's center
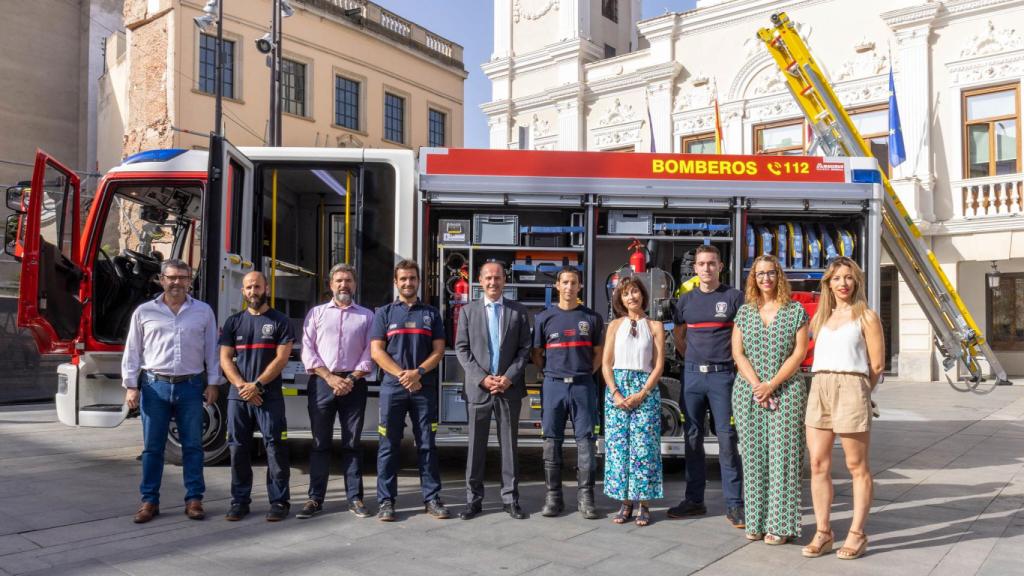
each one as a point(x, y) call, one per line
point(632, 328)
point(177, 278)
point(766, 274)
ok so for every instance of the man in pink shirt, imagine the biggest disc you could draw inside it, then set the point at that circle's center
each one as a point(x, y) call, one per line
point(336, 353)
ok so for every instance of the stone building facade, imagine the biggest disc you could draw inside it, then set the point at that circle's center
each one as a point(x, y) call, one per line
point(590, 75)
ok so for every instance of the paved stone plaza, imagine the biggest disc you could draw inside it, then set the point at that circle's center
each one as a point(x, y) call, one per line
point(949, 499)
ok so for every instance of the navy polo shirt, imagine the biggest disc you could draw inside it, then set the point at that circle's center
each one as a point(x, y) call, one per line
point(255, 338)
point(568, 338)
point(409, 333)
point(708, 319)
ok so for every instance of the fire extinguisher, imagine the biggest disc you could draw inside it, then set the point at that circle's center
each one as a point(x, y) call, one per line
point(637, 260)
point(460, 296)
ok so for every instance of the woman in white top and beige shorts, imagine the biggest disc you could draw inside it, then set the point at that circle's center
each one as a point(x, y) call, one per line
point(848, 360)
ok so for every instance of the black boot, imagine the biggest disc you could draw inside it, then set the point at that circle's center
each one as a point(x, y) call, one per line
point(553, 502)
point(586, 461)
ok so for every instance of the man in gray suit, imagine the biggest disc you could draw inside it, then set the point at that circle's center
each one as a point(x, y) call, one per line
point(495, 383)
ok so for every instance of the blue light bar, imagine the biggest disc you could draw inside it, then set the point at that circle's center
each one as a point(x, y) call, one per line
point(862, 176)
point(154, 155)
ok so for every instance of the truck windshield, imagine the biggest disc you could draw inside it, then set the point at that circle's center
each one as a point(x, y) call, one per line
point(143, 224)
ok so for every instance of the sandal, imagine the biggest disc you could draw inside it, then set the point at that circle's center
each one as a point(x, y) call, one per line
point(754, 536)
point(846, 553)
point(775, 540)
point(624, 515)
point(643, 518)
point(823, 547)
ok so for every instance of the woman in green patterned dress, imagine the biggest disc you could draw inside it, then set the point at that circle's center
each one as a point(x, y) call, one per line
point(769, 341)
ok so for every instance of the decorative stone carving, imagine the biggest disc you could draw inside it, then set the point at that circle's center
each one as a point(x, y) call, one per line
point(540, 128)
point(348, 141)
point(864, 92)
point(772, 109)
point(694, 123)
point(865, 63)
point(619, 135)
point(769, 81)
point(532, 9)
point(992, 41)
point(617, 114)
point(1006, 67)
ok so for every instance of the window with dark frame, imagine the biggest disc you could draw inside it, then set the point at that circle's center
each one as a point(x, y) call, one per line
point(394, 118)
point(1005, 313)
point(873, 124)
point(991, 131)
point(610, 9)
point(436, 128)
point(780, 138)
point(609, 51)
point(208, 66)
point(346, 103)
point(293, 87)
point(699, 143)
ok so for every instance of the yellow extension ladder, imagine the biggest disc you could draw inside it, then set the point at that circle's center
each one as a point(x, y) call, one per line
point(958, 337)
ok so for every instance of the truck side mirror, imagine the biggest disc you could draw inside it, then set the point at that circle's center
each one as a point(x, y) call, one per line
point(16, 197)
point(11, 245)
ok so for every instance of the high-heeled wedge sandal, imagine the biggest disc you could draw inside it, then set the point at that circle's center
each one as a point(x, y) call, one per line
point(846, 553)
point(643, 518)
point(776, 540)
point(823, 547)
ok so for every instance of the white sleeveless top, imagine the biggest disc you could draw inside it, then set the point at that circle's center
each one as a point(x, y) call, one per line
point(634, 352)
point(841, 350)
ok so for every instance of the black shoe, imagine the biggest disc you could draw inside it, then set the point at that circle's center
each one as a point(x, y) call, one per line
point(515, 511)
point(309, 509)
point(553, 504)
point(471, 511)
point(386, 512)
point(358, 508)
point(687, 508)
point(585, 504)
point(237, 512)
point(436, 509)
point(278, 512)
point(736, 517)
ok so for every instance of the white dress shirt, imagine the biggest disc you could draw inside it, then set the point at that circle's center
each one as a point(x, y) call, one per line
point(171, 344)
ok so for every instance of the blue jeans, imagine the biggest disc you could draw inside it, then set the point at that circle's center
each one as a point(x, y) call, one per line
point(702, 391)
point(160, 402)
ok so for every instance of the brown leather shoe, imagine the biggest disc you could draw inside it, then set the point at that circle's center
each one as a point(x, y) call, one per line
point(194, 509)
point(146, 513)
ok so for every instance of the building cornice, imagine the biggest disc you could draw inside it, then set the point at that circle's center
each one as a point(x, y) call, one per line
point(960, 8)
point(987, 224)
point(730, 13)
point(914, 16)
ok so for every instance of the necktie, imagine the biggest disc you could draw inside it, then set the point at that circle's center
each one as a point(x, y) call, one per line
point(493, 327)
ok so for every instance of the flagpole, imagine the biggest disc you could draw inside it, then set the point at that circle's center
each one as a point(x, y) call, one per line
point(718, 123)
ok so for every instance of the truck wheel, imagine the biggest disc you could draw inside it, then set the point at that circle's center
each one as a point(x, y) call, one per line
point(671, 389)
point(671, 419)
point(215, 434)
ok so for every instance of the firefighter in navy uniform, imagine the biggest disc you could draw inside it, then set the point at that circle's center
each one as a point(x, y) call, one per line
point(567, 341)
point(407, 342)
point(254, 348)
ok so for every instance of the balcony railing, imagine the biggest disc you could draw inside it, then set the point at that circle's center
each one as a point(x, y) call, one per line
point(374, 17)
point(989, 196)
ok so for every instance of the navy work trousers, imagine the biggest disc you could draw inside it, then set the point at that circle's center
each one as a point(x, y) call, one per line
point(324, 407)
point(421, 406)
point(243, 419)
point(702, 390)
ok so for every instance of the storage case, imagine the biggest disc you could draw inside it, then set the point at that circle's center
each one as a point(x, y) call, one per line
point(453, 232)
point(625, 222)
point(509, 293)
point(496, 229)
point(548, 236)
point(453, 404)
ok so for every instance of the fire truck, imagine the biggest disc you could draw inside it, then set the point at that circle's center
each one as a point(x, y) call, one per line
point(294, 212)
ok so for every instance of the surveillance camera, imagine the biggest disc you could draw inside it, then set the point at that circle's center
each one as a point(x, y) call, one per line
point(264, 44)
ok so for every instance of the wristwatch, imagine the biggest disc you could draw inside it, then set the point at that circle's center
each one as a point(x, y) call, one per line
point(259, 387)
point(421, 371)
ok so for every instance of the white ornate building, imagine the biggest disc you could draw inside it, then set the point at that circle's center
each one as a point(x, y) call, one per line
point(587, 75)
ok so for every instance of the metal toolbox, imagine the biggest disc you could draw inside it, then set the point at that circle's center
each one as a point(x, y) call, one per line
point(549, 236)
point(496, 229)
point(542, 267)
point(453, 232)
point(626, 222)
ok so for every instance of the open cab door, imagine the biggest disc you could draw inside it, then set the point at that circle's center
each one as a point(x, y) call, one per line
point(236, 207)
point(47, 238)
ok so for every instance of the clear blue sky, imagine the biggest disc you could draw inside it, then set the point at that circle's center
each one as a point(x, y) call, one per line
point(471, 24)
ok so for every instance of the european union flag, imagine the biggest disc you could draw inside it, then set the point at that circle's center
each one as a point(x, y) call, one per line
point(897, 151)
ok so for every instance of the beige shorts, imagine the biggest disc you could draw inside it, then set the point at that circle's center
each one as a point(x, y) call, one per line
point(840, 402)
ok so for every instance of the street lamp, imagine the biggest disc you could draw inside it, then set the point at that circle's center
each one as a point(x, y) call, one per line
point(213, 13)
point(270, 43)
point(993, 277)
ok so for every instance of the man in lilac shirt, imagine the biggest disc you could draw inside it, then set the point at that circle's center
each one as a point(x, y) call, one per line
point(336, 352)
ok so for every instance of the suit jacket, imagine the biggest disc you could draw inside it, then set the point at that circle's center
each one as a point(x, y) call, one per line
point(472, 345)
